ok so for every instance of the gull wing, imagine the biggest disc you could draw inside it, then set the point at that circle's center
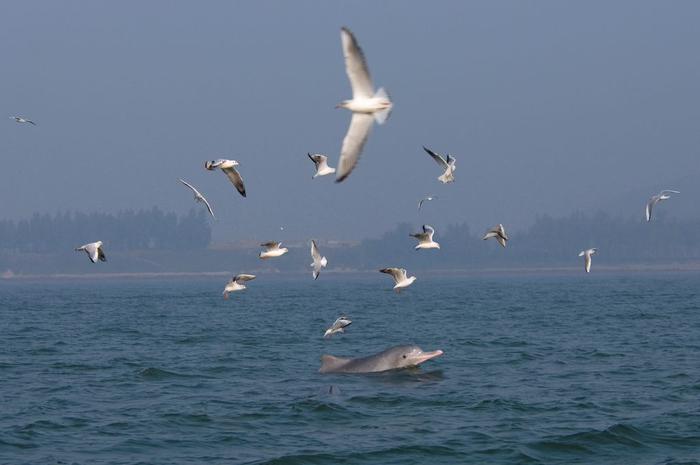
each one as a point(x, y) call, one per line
point(650, 205)
point(101, 254)
point(356, 66)
point(240, 278)
point(438, 159)
point(192, 188)
point(501, 240)
point(271, 245)
point(317, 159)
point(399, 274)
point(92, 251)
point(206, 202)
point(354, 141)
point(587, 260)
point(314, 252)
point(235, 178)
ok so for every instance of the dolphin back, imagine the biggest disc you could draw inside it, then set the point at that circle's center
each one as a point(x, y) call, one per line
point(330, 363)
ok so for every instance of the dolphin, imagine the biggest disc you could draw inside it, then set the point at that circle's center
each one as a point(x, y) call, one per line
point(391, 359)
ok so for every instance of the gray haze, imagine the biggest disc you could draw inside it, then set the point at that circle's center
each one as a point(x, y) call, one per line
point(548, 107)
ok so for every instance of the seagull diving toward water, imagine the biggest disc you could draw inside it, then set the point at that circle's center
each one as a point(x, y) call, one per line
point(425, 199)
point(338, 326)
point(229, 169)
point(587, 257)
point(446, 164)
point(19, 119)
point(319, 261)
point(365, 105)
point(663, 195)
point(237, 283)
point(499, 233)
point(199, 197)
point(425, 239)
point(94, 251)
point(400, 279)
point(321, 163)
point(272, 249)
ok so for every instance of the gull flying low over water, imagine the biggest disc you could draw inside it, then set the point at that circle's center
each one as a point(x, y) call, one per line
point(199, 197)
point(663, 195)
point(400, 279)
point(425, 239)
point(94, 251)
point(499, 233)
point(237, 283)
point(365, 105)
point(321, 164)
point(272, 249)
point(425, 199)
point(19, 119)
point(319, 261)
point(338, 326)
point(446, 164)
point(229, 169)
point(587, 257)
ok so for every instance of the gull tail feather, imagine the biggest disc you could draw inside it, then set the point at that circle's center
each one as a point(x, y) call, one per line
point(382, 115)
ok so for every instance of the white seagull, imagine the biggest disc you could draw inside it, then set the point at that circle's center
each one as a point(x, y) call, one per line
point(229, 169)
point(587, 257)
point(272, 249)
point(338, 326)
point(663, 195)
point(425, 239)
point(446, 164)
point(321, 163)
point(499, 233)
point(19, 119)
point(94, 251)
point(199, 197)
point(237, 283)
point(425, 199)
point(365, 105)
point(400, 279)
point(319, 261)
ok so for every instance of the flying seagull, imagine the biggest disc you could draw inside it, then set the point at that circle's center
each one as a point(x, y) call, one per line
point(272, 249)
point(425, 199)
point(663, 195)
point(319, 261)
point(229, 169)
point(237, 283)
point(446, 164)
point(400, 279)
point(499, 233)
point(199, 197)
point(338, 326)
point(19, 119)
point(321, 163)
point(365, 105)
point(425, 239)
point(587, 257)
point(94, 251)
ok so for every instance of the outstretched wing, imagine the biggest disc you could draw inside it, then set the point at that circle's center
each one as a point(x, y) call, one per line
point(397, 273)
point(235, 178)
point(438, 159)
point(240, 278)
point(315, 255)
point(356, 66)
point(192, 188)
point(353, 143)
point(271, 245)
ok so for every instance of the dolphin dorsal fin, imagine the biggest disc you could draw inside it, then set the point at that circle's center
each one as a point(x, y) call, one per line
point(331, 363)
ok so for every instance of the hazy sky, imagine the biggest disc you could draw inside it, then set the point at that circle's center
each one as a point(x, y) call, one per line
point(548, 106)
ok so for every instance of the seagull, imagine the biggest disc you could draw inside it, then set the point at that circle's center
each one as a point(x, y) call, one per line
point(94, 251)
point(446, 164)
point(663, 195)
point(237, 283)
point(199, 197)
point(272, 249)
point(499, 233)
point(229, 169)
point(399, 275)
point(319, 261)
point(321, 163)
point(365, 105)
point(426, 199)
point(425, 239)
point(587, 257)
point(338, 326)
point(19, 119)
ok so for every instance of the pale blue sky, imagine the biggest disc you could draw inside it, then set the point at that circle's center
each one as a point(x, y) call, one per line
point(548, 106)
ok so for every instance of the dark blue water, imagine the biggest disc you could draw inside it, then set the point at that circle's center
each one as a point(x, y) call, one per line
point(584, 369)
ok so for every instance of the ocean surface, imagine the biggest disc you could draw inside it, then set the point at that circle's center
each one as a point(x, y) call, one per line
point(577, 369)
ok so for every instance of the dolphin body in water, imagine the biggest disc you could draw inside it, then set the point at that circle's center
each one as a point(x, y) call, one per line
point(391, 359)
